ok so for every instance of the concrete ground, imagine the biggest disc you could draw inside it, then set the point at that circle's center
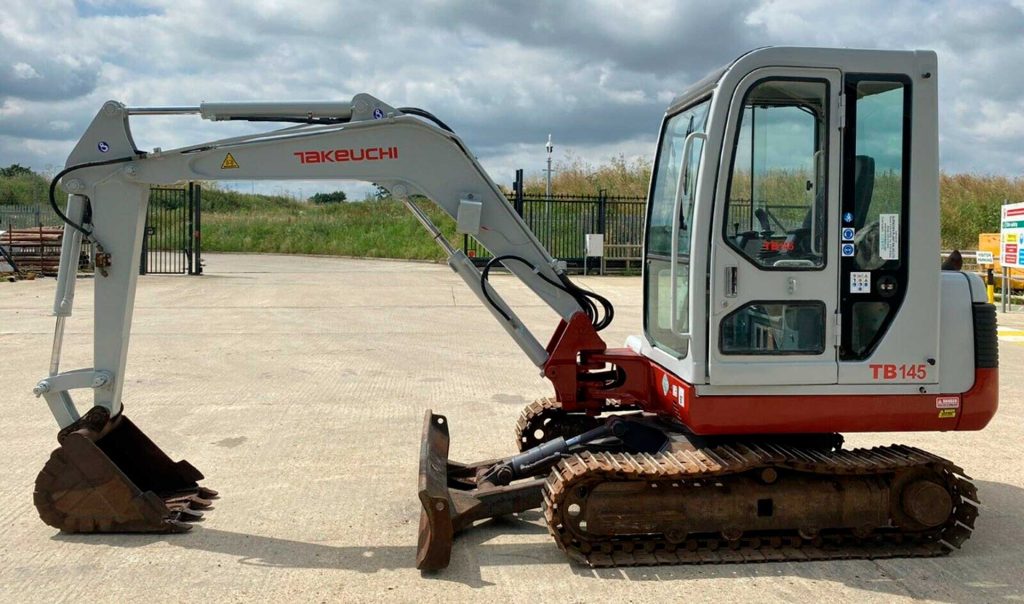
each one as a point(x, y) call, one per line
point(298, 386)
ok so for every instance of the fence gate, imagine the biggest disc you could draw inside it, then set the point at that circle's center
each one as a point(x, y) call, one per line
point(171, 243)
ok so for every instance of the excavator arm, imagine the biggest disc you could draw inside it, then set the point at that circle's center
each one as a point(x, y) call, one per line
point(363, 140)
point(108, 476)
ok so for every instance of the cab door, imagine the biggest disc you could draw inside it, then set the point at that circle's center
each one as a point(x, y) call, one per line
point(776, 242)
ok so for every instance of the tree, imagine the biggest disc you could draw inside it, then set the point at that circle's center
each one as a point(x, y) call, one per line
point(323, 198)
point(15, 170)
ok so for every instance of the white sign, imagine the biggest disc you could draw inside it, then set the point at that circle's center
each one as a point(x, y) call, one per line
point(1011, 235)
point(985, 257)
point(860, 282)
point(889, 236)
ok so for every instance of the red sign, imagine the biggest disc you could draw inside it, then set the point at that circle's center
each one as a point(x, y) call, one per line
point(330, 156)
point(904, 371)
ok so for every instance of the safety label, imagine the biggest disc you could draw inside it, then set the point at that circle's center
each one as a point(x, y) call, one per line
point(848, 250)
point(229, 162)
point(848, 234)
point(860, 282)
point(945, 413)
point(889, 236)
point(947, 402)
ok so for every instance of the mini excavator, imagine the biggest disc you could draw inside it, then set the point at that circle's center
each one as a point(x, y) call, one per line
point(791, 292)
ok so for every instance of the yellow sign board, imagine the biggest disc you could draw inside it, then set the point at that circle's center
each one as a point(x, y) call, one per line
point(229, 162)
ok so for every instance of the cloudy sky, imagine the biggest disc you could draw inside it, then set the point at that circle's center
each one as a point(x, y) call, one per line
point(597, 75)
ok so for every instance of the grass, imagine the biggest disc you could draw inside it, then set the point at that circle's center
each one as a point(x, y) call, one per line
point(375, 229)
point(969, 204)
point(232, 221)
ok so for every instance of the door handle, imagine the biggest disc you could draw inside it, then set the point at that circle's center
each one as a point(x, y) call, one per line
point(731, 281)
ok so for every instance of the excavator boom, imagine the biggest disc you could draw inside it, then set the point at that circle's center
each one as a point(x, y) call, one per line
point(104, 477)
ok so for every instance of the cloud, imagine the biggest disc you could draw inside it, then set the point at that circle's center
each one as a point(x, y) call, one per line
point(39, 75)
point(597, 75)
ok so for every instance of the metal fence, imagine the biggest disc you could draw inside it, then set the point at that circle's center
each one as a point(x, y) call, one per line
point(171, 241)
point(560, 222)
point(23, 216)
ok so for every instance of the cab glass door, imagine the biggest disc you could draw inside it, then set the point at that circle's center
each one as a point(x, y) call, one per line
point(775, 265)
point(669, 220)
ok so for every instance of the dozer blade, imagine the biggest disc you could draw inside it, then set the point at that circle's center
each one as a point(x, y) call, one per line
point(436, 529)
point(107, 476)
point(454, 496)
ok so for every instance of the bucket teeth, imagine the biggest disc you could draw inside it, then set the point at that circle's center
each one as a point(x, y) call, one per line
point(185, 514)
point(111, 478)
point(193, 501)
point(206, 493)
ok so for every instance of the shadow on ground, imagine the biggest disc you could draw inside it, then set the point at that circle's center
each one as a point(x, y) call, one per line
point(985, 570)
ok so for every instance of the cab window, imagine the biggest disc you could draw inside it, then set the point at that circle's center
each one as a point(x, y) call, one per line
point(776, 203)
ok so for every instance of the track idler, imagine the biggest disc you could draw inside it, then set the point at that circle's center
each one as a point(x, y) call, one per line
point(107, 476)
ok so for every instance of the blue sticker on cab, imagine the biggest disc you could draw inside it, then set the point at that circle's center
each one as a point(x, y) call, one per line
point(847, 234)
point(848, 250)
point(848, 217)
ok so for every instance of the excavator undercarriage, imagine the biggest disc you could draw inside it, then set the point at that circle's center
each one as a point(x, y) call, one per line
point(700, 500)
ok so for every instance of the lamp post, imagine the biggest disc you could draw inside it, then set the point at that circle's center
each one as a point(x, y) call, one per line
point(549, 148)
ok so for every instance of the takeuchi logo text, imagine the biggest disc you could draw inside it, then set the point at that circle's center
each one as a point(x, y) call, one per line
point(330, 156)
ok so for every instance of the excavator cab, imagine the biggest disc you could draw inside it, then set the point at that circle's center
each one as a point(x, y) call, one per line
point(779, 250)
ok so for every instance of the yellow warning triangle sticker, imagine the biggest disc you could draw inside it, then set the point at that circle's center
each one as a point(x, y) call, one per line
point(229, 162)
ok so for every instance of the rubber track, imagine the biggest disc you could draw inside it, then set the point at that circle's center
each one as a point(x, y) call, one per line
point(721, 461)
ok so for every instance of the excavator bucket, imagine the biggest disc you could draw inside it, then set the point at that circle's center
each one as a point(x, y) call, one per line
point(107, 476)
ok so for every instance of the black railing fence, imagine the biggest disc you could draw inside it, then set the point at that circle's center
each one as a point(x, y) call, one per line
point(170, 244)
point(20, 216)
point(561, 223)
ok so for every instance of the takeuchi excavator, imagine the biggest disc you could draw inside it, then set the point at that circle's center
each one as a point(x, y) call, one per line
point(791, 291)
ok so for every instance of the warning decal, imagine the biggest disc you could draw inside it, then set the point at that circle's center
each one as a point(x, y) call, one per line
point(229, 162)
point(889, 236)
point(946, 413)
